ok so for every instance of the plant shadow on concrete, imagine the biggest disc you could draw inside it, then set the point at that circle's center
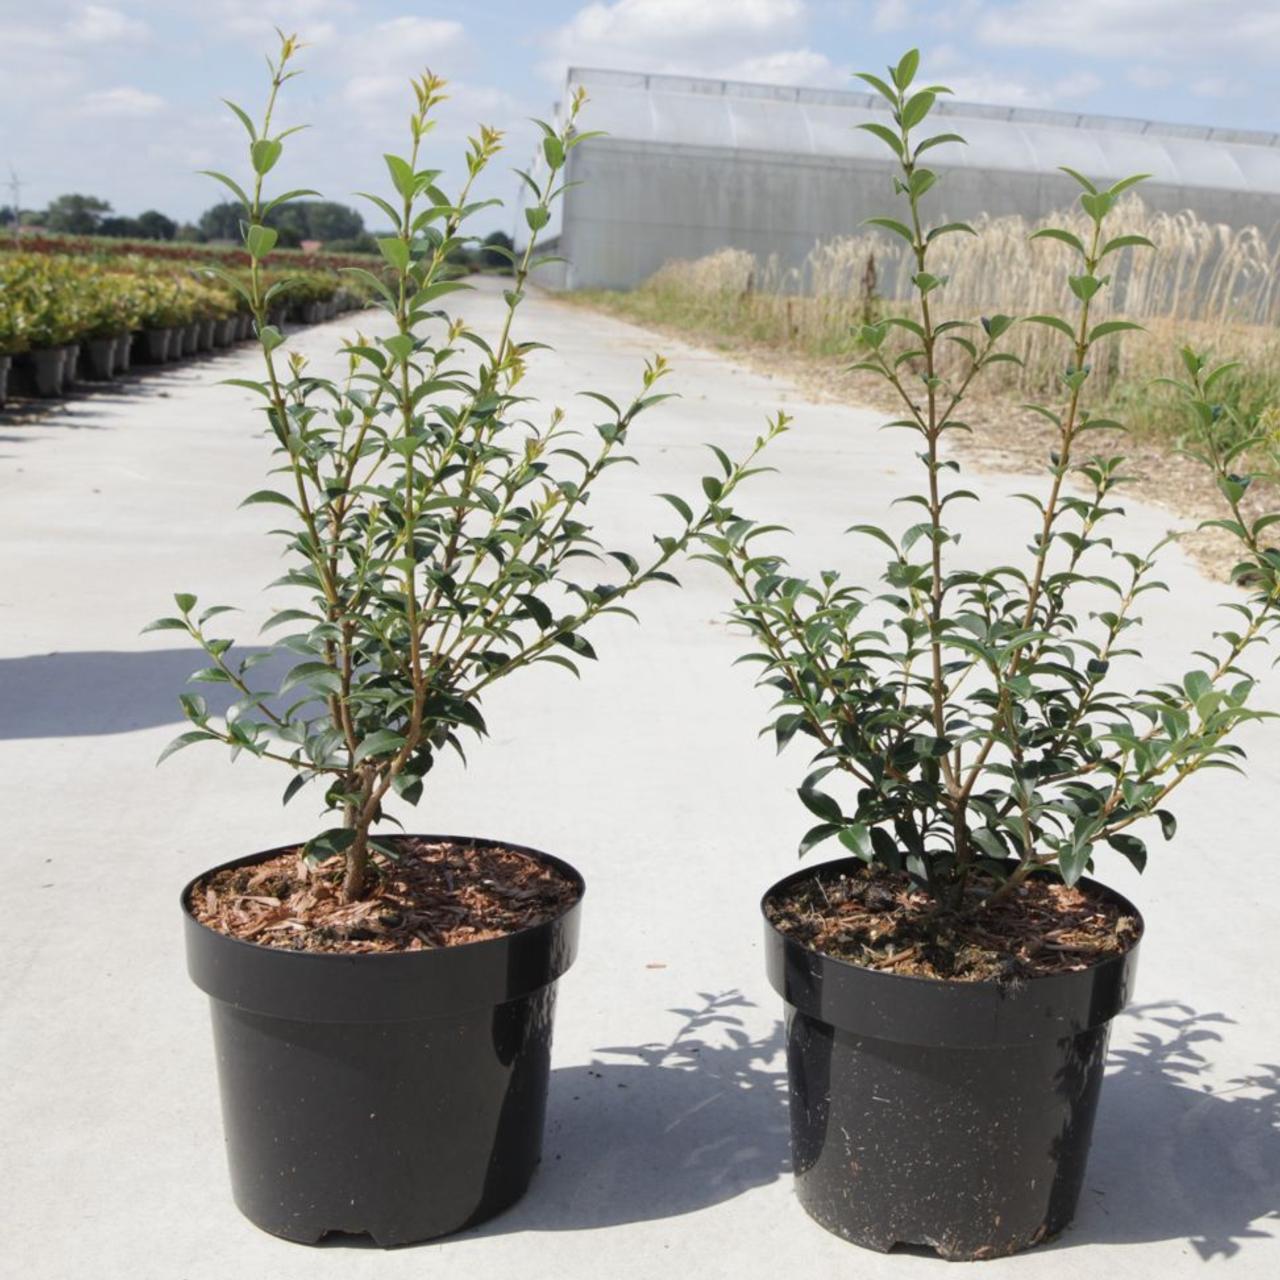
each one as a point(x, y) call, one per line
point(654, 1131)
point(1176, 1154)
point(659, 1130)
point(93, 692)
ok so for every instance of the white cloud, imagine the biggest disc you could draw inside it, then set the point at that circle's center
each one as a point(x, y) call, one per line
point(790, 66)
point(892, 15)
point(1152, 29)
point(1212, 87)
point(97, 24)
point(382, 61)
point(124, 100)
point(706, 37)
point(999, 90)
point(1145, 77)
point(313, 21)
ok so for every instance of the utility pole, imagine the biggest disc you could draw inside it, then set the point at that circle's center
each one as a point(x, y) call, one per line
point(15, 197)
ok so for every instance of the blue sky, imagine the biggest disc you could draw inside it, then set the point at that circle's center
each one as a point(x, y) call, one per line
point(121, 99)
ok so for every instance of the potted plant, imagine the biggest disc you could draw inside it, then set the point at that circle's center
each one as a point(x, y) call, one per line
point(158, 317)
point(382, 1003)
point(106, 320)
point(48, 293)
point(950, 983)
point(13, 329)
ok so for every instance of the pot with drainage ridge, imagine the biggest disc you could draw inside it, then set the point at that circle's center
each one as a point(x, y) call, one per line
point(399, 1095)
point(955, 1115)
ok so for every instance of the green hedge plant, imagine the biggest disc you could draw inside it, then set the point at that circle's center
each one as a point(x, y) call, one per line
point(972, 726)
point(433, 515)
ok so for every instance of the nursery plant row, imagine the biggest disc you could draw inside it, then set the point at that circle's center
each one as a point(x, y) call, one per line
point(108, 247)
point(66, 318)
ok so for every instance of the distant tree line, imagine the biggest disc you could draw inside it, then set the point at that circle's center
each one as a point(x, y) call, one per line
point(337, 227)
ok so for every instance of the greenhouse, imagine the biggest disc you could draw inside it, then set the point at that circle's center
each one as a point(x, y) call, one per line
point(689, 166)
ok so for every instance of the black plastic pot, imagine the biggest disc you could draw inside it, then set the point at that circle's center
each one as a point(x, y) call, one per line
point(154, 344)
point(224, 331)
point(956, 1115)
point(398, 1095)
point(5, 364)
point(98, 359)
point(204, 335)
point(124, 352)
point(44, 371)
point(70, 365)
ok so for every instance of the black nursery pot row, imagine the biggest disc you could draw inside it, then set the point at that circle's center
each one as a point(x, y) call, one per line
point(403, 1096)
point(51, 372)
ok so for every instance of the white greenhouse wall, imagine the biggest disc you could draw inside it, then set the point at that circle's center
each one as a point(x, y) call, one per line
point(693, 166)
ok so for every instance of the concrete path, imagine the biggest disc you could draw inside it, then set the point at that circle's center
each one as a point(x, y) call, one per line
point(666, 1152)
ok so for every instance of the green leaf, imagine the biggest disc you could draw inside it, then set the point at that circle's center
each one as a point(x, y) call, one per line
point(938, 140)
point(1112, 326)
point(1073, 860)
point(260, 240)
point(1079, 177)
point(857, 839)
point(905, 72)
point(186, 740)
point(1084, 287)
point(683, 509)
point(1057, 233)
point(1125, 183)
point(878, 85)
point(916, 108)
point(269, 495)
point(1196, 684)
point(949, 228)
point(381, 742)
point(1052, 322)
point(315, 675)
point(816, 835)
point(885, 134)
point(892, 224)
point(553, 151)
point(1125, 242)
point(395, 251)
point(402, 176)
point(820, 804)
point(234, 187)
point(537, 216)
point(265, 152)
point(330, 842)
point(185, 601)
point(244, 119)
point(1132, 848)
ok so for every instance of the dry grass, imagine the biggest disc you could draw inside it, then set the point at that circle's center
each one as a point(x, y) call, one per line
point(1205, 284)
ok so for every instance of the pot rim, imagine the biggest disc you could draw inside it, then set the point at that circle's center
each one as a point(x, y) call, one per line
point(1105, 890)
point(566, 869)
point(388, 986)
point(915, 1009)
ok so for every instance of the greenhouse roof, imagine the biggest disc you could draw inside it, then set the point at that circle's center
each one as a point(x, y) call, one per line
point(685, 111)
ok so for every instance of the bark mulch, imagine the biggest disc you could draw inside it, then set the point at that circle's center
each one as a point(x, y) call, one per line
point(880, 919)
point(433, 894)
